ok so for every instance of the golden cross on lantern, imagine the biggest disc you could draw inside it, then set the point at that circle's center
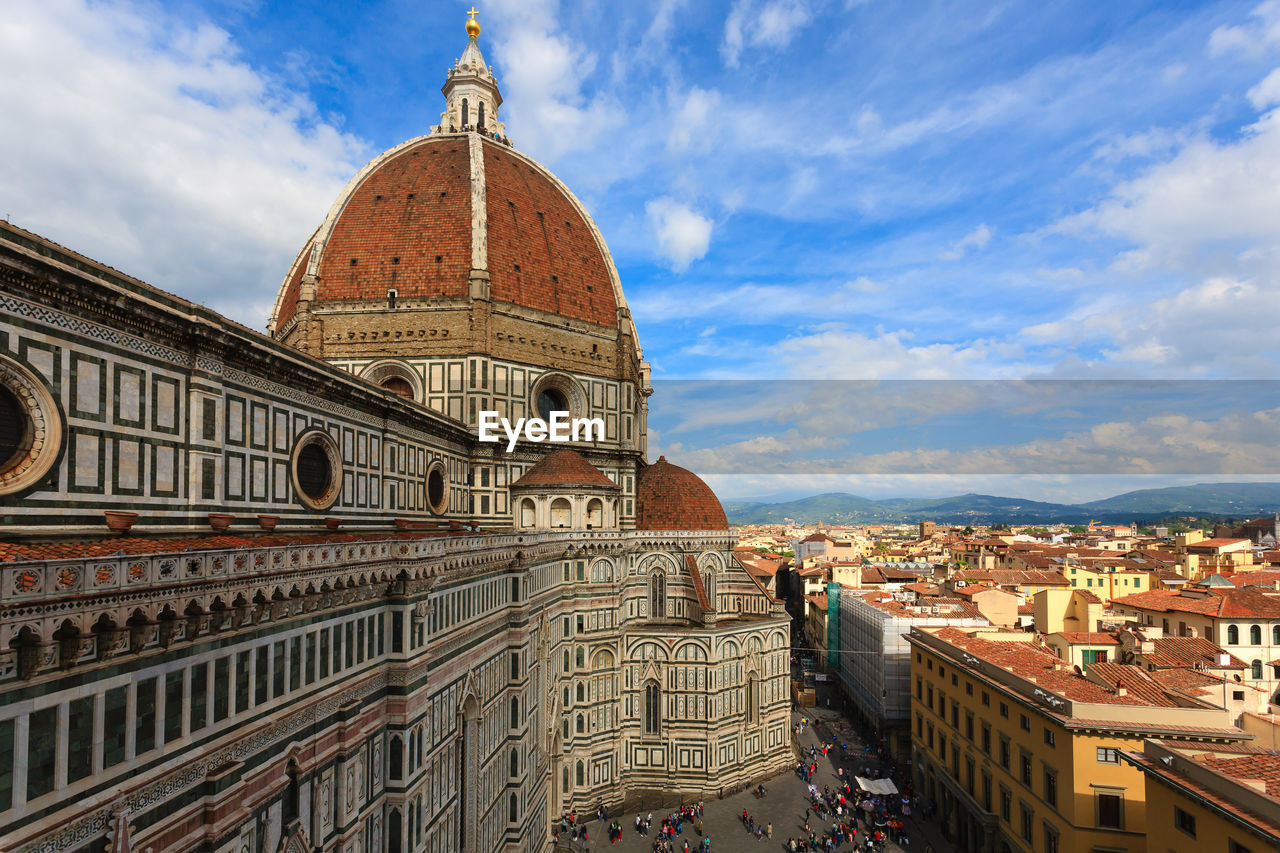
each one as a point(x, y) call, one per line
point(473, 26)
point(472, 13)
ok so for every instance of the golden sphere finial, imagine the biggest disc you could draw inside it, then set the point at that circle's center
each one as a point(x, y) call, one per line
point(473, 26)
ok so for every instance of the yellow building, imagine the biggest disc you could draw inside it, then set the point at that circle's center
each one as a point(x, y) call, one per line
point(1108, 583)
point(1019, 753)
point(1201, 800)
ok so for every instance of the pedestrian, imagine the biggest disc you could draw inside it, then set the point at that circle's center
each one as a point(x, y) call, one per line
point(768, 830)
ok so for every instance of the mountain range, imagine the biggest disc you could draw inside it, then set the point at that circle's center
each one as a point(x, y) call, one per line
point(1228, 500)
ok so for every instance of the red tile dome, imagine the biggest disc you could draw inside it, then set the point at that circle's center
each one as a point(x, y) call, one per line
point(422, 216)
point(564, 468)
point(673, 498)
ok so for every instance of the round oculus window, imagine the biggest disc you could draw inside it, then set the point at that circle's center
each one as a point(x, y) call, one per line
point(317, 470)
point(550, 400)
point(30, 428)
point(437, 488)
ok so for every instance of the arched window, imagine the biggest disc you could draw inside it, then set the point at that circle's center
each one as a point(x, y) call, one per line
point(515, 763)
point(581, 725)
point(581, 693)
point(752, 697)
point(513, 810)
point(480, 120)
point(564, 729)
point(580, 774)
point(595, 514)
point(709, 583)
point(1255, 635)
point(515, 713)
point(1275, 635)
point(1256, 668)
point(395, 751)
point(528, 513)
point(652, 696)
point(580, 657)
point(465, 112)
point(561, 513)
point(657, 595)
point(1233, 635)
point(565, 694)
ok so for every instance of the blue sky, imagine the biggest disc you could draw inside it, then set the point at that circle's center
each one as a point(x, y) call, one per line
point(792, 189)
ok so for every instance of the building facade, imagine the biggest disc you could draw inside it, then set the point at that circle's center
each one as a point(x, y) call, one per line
point(266, 593)
point(1021, 753)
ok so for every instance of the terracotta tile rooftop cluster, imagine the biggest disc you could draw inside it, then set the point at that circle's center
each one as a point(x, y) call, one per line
point(11, 552)
point(566, 468)
point(1247, 603)
point(669, 497)
point(1187, 651)
point(1027, 660)
point(1092, 638)
point(1263, 767)
point(1261, 577)
point(1013, 577)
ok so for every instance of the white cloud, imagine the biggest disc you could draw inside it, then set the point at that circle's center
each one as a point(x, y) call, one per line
point(978, 238)
point(683, 234)
point(1251, 39)
point(837, 351)
point(543, 71)
point(690, 121)
point(151, 145)
point(1267, 93)
point(771, 25)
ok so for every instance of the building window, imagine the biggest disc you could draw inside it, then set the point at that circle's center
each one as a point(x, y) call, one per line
point(1026, 768)
point(1024, 722)
point(986, 699)
point(1049, 737)
point(753, 698)
point(437, 488)
point(1006, 804)
point(1004, 752)
point(652, 700)
point(1028, 822)
point(986, 739)
point(1255, 635)
point(1108, 755)
point(580, 775)
point(1233, 635)
point(1111, 812)
point(30, 428)
point(1004, 710)
point(317, 470)
point(1255, 670)
point(1051, 787)
point(1050, 838)
point(657, 595)
point(1184, 821)
point(1234, 846)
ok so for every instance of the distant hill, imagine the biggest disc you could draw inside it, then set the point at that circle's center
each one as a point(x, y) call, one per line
point(1238, 500)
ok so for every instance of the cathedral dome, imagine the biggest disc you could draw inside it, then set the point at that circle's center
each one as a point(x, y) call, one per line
point(564, 468)
point(669, 497)
point(420, 221)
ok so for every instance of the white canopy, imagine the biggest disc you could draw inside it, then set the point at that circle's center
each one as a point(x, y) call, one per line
point(884, 787)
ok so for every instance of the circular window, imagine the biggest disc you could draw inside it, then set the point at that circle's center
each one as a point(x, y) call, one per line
point(30, 428)
point(551, 400)
point(558, 392)
point(437, 488)
point(317, 470)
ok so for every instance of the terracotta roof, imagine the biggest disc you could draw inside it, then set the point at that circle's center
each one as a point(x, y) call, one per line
point(563, 467)
point(12, 552)
point(1134, 680)
point(669, 497)
point(1215, 543)
point(1260, 577)
point(407, 223)
point(1094, 638)
point(1187, 651)
point(1086, 595)
point(1029, 661)
point(692, 565)
point(1247, 603)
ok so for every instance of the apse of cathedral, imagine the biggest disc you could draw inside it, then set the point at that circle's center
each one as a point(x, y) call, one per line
point(271, 592)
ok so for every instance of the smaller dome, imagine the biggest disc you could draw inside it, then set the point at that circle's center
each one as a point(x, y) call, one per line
point(564, 468)
point(673, 498)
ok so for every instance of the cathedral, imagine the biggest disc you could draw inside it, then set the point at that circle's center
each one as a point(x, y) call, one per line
point(273, 593)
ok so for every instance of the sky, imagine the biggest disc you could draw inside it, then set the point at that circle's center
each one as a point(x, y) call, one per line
point(793, 191)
